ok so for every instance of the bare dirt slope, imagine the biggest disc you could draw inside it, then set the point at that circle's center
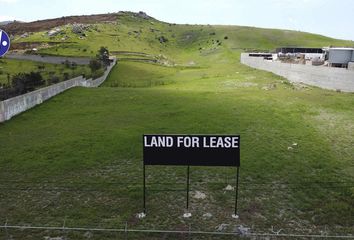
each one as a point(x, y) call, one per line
point(22, 27)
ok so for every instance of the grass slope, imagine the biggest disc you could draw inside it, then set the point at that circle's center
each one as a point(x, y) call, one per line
point(13, 67)
point(78, 156)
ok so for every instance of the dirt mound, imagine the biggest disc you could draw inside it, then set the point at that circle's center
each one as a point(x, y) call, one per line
point(41, 25)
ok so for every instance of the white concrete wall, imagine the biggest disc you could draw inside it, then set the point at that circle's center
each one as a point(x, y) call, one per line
point(16, 105)
point(320, 76)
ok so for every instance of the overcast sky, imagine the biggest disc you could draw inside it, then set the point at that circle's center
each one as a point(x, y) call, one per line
point(328, 17)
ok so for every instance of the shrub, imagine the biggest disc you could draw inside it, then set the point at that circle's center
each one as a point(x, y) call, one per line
point(98, 73)
point(95, 65)
point(67, 63)
point(41, 67)
point(26, 82)
point(66, 76)
point(103, 56)
point(73, 65)
point(53, 79)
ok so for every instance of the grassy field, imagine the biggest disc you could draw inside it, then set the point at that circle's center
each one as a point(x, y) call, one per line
point(13, 67)
point(78, 157)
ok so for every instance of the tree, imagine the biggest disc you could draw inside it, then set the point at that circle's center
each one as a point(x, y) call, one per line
point(95, 65)
point(19, 83)
point(66, 76)
point(54, 79)
point(26, 82)
point(103, 56)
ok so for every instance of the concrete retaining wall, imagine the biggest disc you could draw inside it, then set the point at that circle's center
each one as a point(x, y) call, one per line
point(16, 105)
point(320, 76)
point(48, 59)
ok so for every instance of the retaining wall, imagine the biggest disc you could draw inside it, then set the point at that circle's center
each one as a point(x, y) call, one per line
point(16, 105)
point(320, 76)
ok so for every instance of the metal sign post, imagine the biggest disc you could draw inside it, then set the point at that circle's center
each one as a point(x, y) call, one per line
point(187, 188)
point(191, 150)
point(144, 187)
point(236, 192)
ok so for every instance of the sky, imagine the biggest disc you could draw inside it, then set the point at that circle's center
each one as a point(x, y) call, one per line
point(327, 17)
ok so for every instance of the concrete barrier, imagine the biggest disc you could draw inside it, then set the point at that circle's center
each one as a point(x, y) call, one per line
point(13, 106)
point(320, 76)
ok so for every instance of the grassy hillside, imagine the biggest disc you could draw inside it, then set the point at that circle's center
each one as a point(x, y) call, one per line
point(78, 156)
point(133, 33)
point(13, 67)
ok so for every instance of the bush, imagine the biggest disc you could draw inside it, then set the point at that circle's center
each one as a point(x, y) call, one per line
point(6, 93)
point(67, 63)
point(162, 39)
point(98, 73)
point(73, 65)
point(103, 56)
point(26, 82)
point(66, 76)
point(41, 67)
point(53, 79)
point(95, 65)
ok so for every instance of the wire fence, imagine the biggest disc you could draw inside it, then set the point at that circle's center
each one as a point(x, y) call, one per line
point(91, 186)
point(78, 186)
point(183, 232)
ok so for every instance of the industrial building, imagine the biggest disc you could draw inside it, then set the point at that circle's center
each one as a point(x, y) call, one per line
point(286, 50)
point(340, 57)
point(308, 54)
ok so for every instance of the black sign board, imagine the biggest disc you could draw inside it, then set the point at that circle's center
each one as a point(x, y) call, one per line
point(192, 150)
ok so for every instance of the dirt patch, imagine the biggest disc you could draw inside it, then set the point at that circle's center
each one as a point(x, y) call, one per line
point(21, 27)
point(254, 208)
point(238, 84)
point(31, 45)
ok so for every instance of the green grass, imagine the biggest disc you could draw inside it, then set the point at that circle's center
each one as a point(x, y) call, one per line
point(13, 67)
point(121, 76)
point(78, 156)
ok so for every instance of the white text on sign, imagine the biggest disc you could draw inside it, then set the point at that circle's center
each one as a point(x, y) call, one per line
point(191, 142)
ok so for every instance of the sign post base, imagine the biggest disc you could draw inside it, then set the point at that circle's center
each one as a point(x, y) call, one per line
point(235, 216)
point(141, 215)
point(187, 215)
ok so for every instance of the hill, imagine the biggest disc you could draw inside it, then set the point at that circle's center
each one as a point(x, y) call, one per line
point(140, 33)
point(17, 27)
point(5, 23)
point(77, 157)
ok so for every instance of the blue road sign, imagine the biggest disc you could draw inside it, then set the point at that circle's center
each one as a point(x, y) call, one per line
point(4, 43)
